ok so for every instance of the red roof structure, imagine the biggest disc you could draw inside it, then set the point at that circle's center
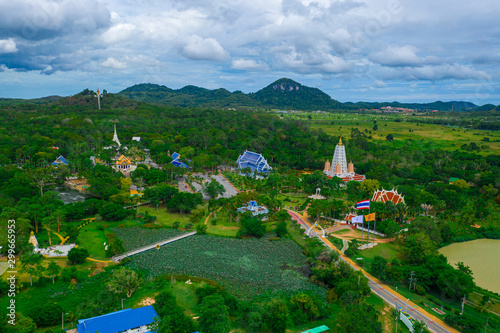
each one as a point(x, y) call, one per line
point(384, 196)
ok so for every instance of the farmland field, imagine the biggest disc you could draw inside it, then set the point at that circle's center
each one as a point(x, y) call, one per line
point(242, 265)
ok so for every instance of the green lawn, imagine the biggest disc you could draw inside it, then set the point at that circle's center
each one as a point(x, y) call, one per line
point(385, 250)
point(92, 239)
point(223, 227)
point(165, 218)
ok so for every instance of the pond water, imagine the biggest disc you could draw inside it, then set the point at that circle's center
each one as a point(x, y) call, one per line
point(68, 195)
point(482, 257)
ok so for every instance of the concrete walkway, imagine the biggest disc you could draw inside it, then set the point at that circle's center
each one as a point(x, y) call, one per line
point(345, 246)
point(119, 257)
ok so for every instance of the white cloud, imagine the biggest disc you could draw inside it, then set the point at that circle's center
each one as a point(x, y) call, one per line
point(379, 84)
point(118, 33)
point(8, 46)
point(113, 63)
point(402, 56)
point(436, 73)
point(249, 65)
point(198, 48)
point(314, 61)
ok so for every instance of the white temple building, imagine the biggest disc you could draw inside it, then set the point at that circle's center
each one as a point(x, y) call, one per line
point(339, 167)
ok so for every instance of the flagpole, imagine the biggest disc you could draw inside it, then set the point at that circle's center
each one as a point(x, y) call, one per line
point(362, 226)
point(368, 231)
point(374, 226)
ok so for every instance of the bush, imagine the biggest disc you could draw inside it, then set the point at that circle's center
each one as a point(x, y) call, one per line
point(281, 229)
point(77, 255)
point(188, 226)
point(201, 229)
point(113, 212)
point(46, 315)
point(251, 226)
point(43, 281)
point(115, 245)
point(176, 225)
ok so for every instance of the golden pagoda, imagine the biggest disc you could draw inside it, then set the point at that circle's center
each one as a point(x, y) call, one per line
point(338, 169)
point(33, 240)
point(350, 168)
point(327, 166)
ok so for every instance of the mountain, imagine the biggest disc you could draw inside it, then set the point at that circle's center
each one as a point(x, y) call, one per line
point(284, 94)
point(486, 107)
point(288, 94)
point(189, 96)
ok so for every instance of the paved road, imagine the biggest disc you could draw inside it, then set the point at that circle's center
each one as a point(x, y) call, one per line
point(433, 323)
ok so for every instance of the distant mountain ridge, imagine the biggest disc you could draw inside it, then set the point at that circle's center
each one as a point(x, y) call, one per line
point(284, 94)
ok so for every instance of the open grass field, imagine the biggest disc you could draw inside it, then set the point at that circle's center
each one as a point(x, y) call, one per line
point(223, 227)
point(165, 218)
point(92, 240)
point(387, 251)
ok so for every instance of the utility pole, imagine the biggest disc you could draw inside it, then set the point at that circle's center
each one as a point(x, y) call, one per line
point(486, 325)
point(463, 303)
point(397, 315)
point(411, 279)
point(414, 283)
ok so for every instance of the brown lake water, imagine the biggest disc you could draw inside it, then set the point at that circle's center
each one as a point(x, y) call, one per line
point(483, 258)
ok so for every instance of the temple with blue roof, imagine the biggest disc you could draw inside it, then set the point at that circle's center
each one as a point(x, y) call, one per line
point(254, 209)
point(255, 162)
point(176, 160)
point(128, 320)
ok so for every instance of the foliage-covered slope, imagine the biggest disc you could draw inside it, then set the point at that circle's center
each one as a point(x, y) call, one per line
point(288, 94)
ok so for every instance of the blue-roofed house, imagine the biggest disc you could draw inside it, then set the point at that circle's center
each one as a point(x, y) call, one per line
point(59, 161)
point(256, 162)
point(254, 208)
point(128, 320)
point(176, 160)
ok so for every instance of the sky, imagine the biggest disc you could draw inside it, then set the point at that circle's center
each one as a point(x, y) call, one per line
point(364, 50)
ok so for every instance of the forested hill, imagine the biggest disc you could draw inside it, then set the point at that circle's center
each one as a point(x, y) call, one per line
point(288, 94)
point(284, 94)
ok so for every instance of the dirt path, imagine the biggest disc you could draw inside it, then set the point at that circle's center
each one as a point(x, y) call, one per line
point(354, 235)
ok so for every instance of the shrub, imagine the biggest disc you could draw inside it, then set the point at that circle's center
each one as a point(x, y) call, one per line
point(46, 315)
point(176, 225)
point(77, 255)
point(113, 212)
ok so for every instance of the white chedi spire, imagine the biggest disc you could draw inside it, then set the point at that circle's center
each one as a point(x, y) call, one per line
point(115, 138)
point(340, 158)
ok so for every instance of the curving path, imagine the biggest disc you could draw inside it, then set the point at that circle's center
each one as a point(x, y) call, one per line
point(393, 298)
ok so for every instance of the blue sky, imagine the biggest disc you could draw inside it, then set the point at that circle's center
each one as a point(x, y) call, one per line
point(365, 50)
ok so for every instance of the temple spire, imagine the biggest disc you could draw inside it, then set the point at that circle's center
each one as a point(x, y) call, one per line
point(340, 141)
point(115, 138)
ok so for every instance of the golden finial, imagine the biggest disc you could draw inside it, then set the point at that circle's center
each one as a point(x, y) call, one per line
point(97, 91)
point(340, 141)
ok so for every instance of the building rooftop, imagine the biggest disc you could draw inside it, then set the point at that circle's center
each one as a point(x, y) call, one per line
point(118, 321)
